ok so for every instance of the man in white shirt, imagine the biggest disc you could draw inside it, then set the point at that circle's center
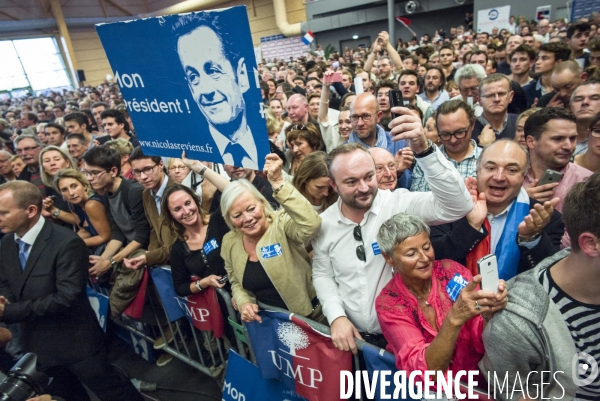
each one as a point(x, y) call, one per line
point(347, 282)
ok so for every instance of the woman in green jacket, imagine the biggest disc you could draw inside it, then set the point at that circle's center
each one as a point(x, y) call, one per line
point(264, 253)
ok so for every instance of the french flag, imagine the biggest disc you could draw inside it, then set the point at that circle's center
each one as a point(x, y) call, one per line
point(308, 38)
point(305, 360)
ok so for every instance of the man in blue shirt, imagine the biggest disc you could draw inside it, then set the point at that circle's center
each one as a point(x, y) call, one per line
point(365, 116)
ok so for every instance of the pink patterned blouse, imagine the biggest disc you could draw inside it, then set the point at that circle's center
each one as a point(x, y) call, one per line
point(409, 333)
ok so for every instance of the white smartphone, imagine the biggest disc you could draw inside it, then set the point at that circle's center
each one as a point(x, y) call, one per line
point(488, 268)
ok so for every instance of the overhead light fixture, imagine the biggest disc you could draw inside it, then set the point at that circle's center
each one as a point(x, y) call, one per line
point(411, 6)
point(354, 37)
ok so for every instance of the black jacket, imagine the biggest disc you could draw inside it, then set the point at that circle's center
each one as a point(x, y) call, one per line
point(455, 240)
point(49, 297)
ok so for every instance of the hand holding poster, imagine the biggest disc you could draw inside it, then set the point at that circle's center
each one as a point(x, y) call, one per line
point(190, 83)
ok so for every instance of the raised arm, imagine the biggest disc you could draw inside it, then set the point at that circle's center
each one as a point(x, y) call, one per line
point(375, 48)
point(324, 103)
point(391, 51)
point(449, 199)
point(301, 221)
point(197, 167)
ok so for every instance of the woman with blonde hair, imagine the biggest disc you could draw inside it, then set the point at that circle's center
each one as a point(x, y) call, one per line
point(124, 149)
point(264, 253)
point(52, 159)
point(93, 226)
point(312, 180)
point(520, 132)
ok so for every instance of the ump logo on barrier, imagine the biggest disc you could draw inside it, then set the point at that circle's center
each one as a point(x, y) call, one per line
point(294, 338)
point(493, 14)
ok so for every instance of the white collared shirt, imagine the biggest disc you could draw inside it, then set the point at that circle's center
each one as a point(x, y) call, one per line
point(245, 139)
point(31, 235)
point(347, 286)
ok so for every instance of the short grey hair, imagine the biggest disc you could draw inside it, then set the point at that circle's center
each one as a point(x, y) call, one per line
point(398, 228)
point(21, 137)
point(469, 71)
point(236, 189)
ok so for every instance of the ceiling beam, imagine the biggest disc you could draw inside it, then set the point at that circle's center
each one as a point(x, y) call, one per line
point(118, 7)
point(64, 33)
point(9, 16)
point(103, 9)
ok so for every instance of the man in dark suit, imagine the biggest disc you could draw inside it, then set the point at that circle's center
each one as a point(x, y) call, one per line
point(520, 231)
point(42, 286)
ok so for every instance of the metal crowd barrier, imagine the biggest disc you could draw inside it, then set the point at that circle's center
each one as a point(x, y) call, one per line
point(197, 348)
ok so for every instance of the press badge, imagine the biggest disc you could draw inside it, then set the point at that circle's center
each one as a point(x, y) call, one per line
point(376, 250)
point(210, 246)
point(270, 251)
point(455, 286)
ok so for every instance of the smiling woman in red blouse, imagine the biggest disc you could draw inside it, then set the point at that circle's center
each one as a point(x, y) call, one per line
point(430, 312)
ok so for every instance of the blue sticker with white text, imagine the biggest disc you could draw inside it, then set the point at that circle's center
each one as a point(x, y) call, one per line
point(376, 249)
point(455, 286)
point(270, 251)
point(210, 246)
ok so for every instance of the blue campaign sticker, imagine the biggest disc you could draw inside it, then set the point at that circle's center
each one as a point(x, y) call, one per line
point(210, 246)
point(455, 286)
point(376, 250)
point(270, 251)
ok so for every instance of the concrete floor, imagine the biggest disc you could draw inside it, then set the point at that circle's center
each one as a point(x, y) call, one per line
point(175, 381)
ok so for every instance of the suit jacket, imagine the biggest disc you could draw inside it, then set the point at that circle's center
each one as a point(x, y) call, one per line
point(455, 240)
point(49, 296)
point(161, 239)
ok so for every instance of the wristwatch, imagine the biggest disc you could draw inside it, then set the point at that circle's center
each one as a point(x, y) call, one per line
point(198, 285)
point(276, 190)
point(56, 213)
point(528, 239)
point(113, 264)
point(430, 149)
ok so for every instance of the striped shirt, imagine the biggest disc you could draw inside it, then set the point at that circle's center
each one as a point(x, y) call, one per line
point(466, 168)
point(583, 321)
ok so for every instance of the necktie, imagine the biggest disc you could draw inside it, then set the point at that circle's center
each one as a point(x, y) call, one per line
point(23, 253)
point(237, 152)
point(157, 199)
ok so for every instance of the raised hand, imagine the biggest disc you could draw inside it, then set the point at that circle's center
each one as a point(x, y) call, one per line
point(409, 127)
point(541, 193)
point(538, 218)
point(272, 169)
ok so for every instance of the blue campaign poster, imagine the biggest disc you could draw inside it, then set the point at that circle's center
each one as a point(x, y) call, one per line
point(190, 83)
point(243, 381)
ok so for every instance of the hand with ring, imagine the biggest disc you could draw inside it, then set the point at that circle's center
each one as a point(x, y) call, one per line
point(472, 302)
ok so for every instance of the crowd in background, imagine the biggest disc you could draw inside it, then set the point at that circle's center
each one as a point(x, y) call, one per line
point(368, 218)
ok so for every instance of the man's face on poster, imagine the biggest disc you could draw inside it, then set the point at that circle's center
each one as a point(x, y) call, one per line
point(216, 85)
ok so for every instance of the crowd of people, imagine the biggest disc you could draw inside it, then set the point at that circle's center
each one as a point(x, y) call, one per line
point(367, 218)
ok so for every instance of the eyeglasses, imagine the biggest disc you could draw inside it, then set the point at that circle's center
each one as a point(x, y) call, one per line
point(379, 168)
point(459, 134)
point(360, 250)
point(365, 117)
point(175, 168)
point(93, 174)
point(491, 96)
point(298, 127)
point(27, 149)
point(145, 170)
point(595, 132)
